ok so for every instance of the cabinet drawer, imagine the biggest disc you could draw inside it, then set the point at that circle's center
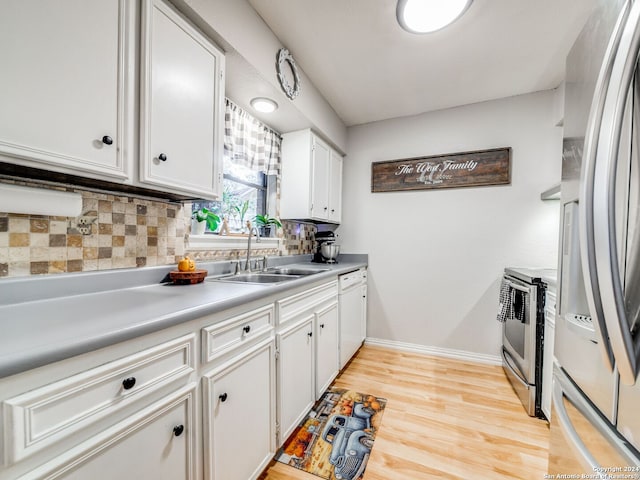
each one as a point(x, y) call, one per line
point(158, 442)
point(294, 305)
point(224, 337)
point(40, 417)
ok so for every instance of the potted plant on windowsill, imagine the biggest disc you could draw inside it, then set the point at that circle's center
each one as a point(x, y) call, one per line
point(200, 219)
point(266, 222)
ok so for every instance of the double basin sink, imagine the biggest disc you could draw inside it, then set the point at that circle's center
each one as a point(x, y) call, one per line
point(271, 275)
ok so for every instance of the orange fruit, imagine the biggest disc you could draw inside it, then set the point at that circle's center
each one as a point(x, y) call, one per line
point(186, 265)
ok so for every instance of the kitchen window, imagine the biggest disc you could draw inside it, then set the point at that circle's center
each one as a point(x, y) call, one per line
point(251, 166)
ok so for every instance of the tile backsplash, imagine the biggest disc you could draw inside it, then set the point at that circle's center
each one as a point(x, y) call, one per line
point(126, 232)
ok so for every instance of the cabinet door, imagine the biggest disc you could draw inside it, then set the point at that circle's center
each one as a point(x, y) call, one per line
point(320, 164)
point(62, 86)
point(239, 403)
point(181, 112)
point(363, 313)
point(335, 188)
point(327, 360)
point(157, 442)
point(296, 392)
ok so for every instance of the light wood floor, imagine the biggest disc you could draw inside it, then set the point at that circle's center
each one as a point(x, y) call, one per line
point(444, 419)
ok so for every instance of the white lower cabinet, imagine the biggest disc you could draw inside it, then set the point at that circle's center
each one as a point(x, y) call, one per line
point(307, 343)
point(156, 443)
point(327, 359)
point(239, 414)
point(147, 409)
point(296, 387)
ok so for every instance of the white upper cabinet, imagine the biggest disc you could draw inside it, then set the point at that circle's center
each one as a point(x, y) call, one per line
point(182, 95)
point(335, 188)
point(69, 100)
point(320, 171)
point(65, 105)
point(311, 179)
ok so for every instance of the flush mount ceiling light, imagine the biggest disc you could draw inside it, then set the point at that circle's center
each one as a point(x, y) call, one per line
point(264, 105)
point(425, 16)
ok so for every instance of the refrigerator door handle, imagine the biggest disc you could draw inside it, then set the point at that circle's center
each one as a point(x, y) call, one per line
point(626, 348)
point(586, 205)
point(564, 388)
point(579, 449)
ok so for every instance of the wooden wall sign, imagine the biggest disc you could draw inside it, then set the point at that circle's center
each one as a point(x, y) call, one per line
point(467, 169)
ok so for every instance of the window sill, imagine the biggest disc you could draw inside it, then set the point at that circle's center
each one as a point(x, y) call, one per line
point(223, 242)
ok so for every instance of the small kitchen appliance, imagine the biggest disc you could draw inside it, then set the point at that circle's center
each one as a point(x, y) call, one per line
point(329, 253)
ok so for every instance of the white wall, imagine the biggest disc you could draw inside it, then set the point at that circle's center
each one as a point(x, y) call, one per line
point(436, 257)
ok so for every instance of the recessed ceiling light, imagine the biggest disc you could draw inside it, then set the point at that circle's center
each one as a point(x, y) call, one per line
point(264, 105)
point(425, 16)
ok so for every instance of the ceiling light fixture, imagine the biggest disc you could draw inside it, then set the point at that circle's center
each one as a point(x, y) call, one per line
point(264, 105)
point(426, 16)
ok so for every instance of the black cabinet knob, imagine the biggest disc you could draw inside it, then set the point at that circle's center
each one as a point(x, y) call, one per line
point(326, 208)
point(162, 157)
point(178, 429)
point(223, 397)
point(128, 383)
point(107, 140)
point(322, 325)
point(310, 334)
point(247, 329)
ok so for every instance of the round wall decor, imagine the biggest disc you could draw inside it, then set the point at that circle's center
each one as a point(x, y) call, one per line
point(284, 56)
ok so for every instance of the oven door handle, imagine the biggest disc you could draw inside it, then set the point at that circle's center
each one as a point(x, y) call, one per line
point(517, 287)
point(507, 362)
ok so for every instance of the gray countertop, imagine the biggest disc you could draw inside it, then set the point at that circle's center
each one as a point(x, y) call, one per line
point(50, 318)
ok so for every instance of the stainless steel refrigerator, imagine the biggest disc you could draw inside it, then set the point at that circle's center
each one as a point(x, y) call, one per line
point(595, 421)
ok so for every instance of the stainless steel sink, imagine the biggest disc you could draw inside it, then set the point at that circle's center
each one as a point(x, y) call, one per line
point(296, 270)
point(256, 278)
point(272, 275)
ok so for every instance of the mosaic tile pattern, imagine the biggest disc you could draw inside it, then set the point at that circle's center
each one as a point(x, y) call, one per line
point(127, 232)
point(299, 238)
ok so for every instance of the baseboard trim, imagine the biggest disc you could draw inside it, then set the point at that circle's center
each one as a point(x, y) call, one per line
point(435, 351)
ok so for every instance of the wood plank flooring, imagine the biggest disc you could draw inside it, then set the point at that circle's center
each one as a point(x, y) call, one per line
point(445, 419)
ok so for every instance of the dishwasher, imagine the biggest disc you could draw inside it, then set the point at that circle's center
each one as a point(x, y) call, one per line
point(351, 314)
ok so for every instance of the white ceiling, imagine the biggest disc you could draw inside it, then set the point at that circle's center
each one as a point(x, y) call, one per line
point(369, 69)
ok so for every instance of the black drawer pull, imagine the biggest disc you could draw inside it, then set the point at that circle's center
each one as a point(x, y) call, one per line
point(223, 397)
point(162, 157)
point(178, 429)
point(322, 325)
point(107, 140)
point(128, 383)
point(247, 329)
point(310, 334)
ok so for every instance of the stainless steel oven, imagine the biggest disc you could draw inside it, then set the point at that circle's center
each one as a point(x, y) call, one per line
point(523, 335)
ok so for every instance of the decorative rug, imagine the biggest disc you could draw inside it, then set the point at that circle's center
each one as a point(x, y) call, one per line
point(334, 440)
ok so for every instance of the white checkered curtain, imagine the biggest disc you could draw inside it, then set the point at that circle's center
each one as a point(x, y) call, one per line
point(249, 142)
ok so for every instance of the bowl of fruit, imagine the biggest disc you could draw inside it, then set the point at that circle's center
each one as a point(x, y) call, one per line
point(187, 273)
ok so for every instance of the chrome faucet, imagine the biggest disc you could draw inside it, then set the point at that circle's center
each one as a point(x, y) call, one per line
point(247, 265)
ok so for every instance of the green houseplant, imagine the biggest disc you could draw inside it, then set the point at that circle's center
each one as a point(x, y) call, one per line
point(204, 218)
point(265, 222)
